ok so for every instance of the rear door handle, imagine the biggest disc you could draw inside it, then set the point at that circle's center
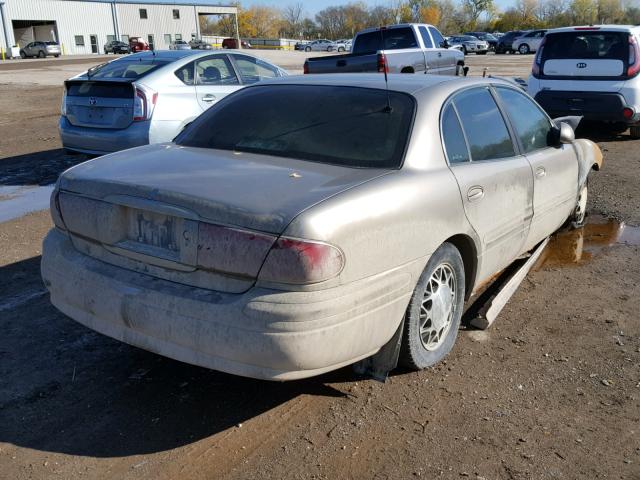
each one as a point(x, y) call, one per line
point(475, 193)
point(540, 172)
point(439, 54)
point(209, 98)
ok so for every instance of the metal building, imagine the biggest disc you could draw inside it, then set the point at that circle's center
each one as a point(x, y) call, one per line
point(84, 26)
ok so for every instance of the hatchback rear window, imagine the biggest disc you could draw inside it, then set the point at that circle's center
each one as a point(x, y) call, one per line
point(337, 125)
point(125, 69)
point(586, 45)
point(394, 39)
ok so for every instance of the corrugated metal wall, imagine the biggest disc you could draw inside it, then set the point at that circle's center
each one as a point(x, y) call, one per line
point(85, 19)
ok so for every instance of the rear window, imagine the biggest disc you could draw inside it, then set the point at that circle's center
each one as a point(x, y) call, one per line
point(347, 126)
point(126, 69)
point(586, 45)
point(389, 39)
point(99, 89)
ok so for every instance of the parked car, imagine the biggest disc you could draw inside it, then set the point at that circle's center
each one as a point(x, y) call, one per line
point(200, 45)
point(271, 243)
point(405, 48)
point(300, 45)
point(179, 45)
point(233, 44)
point(116, 46)
point(137, 44)
point(591, 71)
point(40, 49)
point(323, 45)
point(505, 42)
point(491, 39)
point(149, 97)
point(343, 45)
point(469, 44)
point(529, 42)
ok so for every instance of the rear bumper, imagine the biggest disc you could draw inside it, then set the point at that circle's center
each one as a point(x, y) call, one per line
point(99, 141)
point(601, 106)
point(262, 333)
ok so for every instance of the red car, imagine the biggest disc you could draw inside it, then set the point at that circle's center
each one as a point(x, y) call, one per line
point(232, 43)
point(137, 44)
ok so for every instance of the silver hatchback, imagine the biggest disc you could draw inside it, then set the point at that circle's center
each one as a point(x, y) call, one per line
point(40, 49)
point(149, 97)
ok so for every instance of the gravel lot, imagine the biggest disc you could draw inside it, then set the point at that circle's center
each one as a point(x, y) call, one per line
point(551, 391)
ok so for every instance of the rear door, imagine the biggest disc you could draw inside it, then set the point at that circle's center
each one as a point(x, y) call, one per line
point(585, 55)
point(215, 79)
point(555, 168)
point(496, 183)
point(446, 59)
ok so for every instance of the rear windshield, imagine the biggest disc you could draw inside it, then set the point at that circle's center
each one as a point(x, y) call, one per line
point(338, 125)
point(587, 45)
point(51, 43)
point(125, 69)
point(394, 39)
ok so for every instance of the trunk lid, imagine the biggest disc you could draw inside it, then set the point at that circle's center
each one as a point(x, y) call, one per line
point(99, 103)
point(206, 218)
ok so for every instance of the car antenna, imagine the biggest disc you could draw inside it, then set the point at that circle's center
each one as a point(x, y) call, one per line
point(388, 108)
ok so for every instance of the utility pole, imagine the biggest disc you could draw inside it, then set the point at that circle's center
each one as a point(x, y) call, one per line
point(4, 27)
point(238, 41)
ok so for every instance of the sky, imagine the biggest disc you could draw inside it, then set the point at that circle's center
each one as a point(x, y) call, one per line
point(313, 7)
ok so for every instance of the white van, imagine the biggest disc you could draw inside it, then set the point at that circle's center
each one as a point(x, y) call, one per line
point(590, 71)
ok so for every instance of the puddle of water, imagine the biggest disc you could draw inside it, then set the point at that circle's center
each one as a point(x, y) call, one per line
point(18, 200)
point(572, 247)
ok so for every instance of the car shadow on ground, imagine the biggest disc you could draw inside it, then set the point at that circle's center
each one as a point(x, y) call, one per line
point(40, 168)
point(67, 389)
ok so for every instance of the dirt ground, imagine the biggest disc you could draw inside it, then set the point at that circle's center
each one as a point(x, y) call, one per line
point(551, 391)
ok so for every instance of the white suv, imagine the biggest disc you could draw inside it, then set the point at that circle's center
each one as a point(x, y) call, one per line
point(590, 71)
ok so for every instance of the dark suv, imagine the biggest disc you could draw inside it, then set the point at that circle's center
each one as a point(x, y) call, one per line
point(116, 46)
point(505, 42)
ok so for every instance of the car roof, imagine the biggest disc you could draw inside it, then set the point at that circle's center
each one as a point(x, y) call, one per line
point(174, 55)
point(398, 82)
point(603, 27)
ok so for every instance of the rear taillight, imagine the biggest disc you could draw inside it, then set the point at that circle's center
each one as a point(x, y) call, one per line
point(535, 67)
point(383, 66)
point(634, 57)
point(63, 105)
point(628, 113)
point(305, 69)
point(295, 261)
point(144, 101)
point(231, 250)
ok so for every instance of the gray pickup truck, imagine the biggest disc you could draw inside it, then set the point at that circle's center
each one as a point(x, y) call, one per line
point(404, 48)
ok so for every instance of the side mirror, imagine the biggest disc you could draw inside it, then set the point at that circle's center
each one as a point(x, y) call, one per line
point(445, 44)
point(561, 134)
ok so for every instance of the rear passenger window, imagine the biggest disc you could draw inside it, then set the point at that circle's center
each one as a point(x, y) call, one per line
point(531, 125)
point(454, 143)
point(215, 71)
point(484, 126)
point(426, 39)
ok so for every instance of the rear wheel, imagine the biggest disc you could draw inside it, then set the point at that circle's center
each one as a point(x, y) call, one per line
point(634, 131)
point(56, 55)
point(524, 49)
point(22, 54)
point(434, 312)
point(307, 49)
point(341, 49)
point(459, 71)
point(41, 54)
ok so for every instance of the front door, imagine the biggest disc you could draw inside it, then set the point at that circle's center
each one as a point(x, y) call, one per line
point(93, 39)
point(215, 79)
point(555, 168)
point(496, 184)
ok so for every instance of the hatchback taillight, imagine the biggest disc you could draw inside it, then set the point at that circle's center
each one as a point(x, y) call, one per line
point(144, 101)
point(295, 261)
point(634, 57)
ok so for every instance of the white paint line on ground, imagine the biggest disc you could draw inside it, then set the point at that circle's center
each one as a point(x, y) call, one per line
point(18, 200)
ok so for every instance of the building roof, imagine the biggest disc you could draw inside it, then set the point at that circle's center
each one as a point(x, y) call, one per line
point(198, 3)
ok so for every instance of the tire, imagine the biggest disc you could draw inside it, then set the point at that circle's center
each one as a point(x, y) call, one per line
point(443, 278)
point(307, 49)
point(459, 71)
point(524, 49)
point(22, 54)
point(329, 49)
point(634, 131)
point(580, 211)
point(340, 49)
point(41, 54)
point(56, 55)
point(482, 53)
